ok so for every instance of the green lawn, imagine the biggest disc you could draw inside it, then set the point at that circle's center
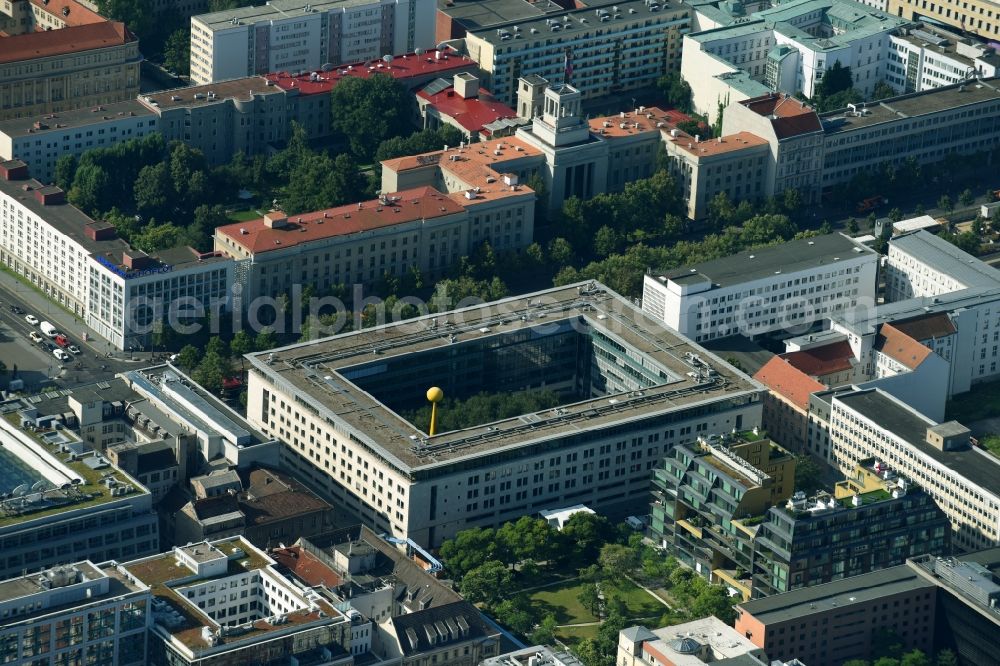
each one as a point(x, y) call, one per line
point(992, 444)
point(982, 402)
point(573, 635)
point(243, 215)
point(562, 602)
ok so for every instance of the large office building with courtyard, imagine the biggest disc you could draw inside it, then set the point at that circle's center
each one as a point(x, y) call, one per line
point(620, 390)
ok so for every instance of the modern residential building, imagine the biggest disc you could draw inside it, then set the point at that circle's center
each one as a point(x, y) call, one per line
point(929, 604)
point(601, 49)
point(78, 66)
point(704, 641)
point(266, 506)
point(787, 48)
point(40, 140)
point(826, 625)
point(963, 480)
point(81, 263)
point(400, 612)
point(462, 104)
point(224, 602)
point(72, 614)
point(788, 287)
point(64, 502)
point(721, 509)
point(296, 36)
point(414, 229)
point(629, 390)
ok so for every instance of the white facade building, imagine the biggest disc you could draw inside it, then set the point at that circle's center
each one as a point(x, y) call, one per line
point(295, 36)
point(964, 481)
point(74, 614)
point(792, 286)
point(41, 140)
point(927, 57)
point(922, 264)
point(82, 264)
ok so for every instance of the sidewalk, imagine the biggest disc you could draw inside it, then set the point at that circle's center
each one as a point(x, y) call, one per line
point(15, 292)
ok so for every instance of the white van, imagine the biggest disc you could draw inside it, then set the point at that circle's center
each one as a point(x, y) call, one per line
point(48, 329)
point(635, 522)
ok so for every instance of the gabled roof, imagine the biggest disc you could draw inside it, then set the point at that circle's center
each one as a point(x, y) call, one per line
point(785, 379)
point(901, 347)
point(449, 624)
point(73, 39)
point(822, 361)
point(928, 327)
point(789, 116)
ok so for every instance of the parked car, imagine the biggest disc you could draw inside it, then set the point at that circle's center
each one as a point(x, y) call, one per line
point(61, 340)
point(73, 349)
point(50, 346)
point(16, 310)
point(31, 319)
point(35, 336)
point(60, 354)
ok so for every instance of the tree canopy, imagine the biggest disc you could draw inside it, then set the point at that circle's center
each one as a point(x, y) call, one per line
point(369, 111)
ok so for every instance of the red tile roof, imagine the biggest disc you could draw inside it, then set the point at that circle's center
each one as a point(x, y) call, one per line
point(472, 113)
point(822, 361)
point(788, 116)
point(422, 203)
point(69, 11)
point(426, 65)
point(785, 379)
point(927, 327)
point(67, 40)
point(306, 566)
point(899, 346)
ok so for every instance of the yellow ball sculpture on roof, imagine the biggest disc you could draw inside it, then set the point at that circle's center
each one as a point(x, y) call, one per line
point(434, 395)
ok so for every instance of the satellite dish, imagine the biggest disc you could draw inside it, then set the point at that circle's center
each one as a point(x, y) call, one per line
point(387, 58)
point(20, 490)
point(38, 485)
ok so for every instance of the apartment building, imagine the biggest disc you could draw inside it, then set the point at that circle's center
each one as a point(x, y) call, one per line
point(294, 36)
point(787, 48)
point(790, 287)
point(41, 140)
point(959, 119)
point(73, 67)
point(81, 263)
point(736, 527)
point(976, 17)
point(703, 641)
point(72, 614)
point(65, 502)
point(921, 264)
point(829, 624)
point(354, 447)
point(786, 405)
point(927, 57)
point(400, 612)
point(605, 48)
point(225, 602)
point(733, 164)
point(416, 229)
point(963, 480)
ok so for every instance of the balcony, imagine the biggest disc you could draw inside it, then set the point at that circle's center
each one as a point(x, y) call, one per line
point(688, 527)
point(736, 579)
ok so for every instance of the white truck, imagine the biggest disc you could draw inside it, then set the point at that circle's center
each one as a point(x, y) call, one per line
point(48, 329)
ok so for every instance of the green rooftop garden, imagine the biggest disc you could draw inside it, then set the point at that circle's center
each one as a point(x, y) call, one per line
point(90, 493)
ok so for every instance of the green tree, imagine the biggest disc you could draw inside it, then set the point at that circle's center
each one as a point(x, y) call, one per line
point(946, 658)
point(89, 190)
point(585, 534)
point(211, 372)
point(188, 358)
point(808, 474)
point(605, 241)
point(177, 51)
point(590, 599)
point(618, 561)
point(136, 14)
point(944, 203)
point(693, 128)
point(883, 90)
point(895, 214)
point(676, 91)
point(65, 171)
point(852, 227)
point(369, 111)
point(488, 583)
point(516, 613)
point(266, 339)
point(527, 538)
point(561, 252)
point(469, 549)
point(966, 198)
point(836, 79)
point(155, 237)
point(450, 292)
point(218, 346)
point(242, 343)
point(153, 188)
point(545, 632)
point(966, 241)
point(915, 658)
point(714, 600)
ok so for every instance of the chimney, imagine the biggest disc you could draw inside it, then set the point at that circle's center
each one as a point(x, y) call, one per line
point(467, 85)
point(136, 260)
point(50, 196)
point(13, 170)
